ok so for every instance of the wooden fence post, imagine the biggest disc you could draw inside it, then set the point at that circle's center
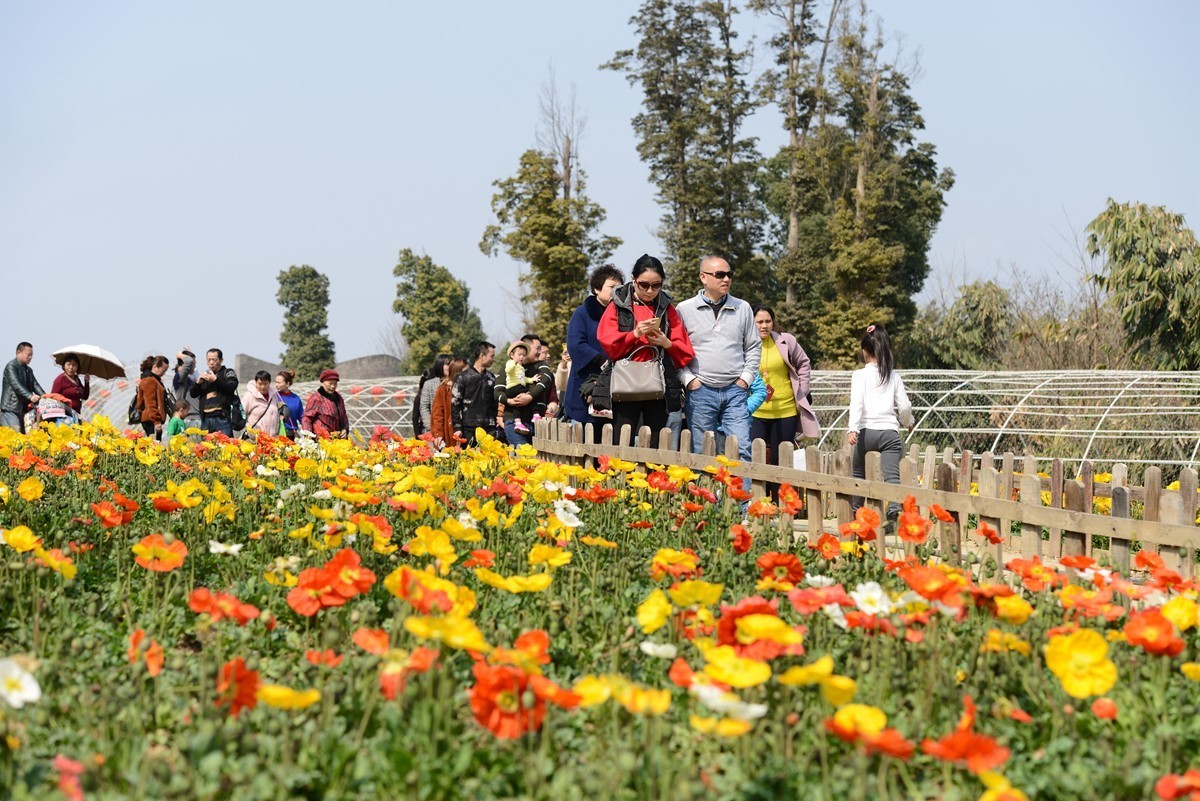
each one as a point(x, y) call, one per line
point(1087, 477)
point(841, 467)
point(951, 545)
point(1074, 543)
point(1007, 482)
point(874, 471)
point(1056, 502)
point(758, 455)
point(989, 487)
point(1031, 534)
point(813, 499)
point(1171, 511)
point(1119, 549)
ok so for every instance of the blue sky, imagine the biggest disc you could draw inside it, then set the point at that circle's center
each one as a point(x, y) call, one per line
point(162, 162)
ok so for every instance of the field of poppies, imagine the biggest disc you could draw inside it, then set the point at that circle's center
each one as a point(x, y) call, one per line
point(225, 619)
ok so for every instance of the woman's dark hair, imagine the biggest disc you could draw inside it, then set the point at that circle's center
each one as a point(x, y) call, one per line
point(150, 362)
point(877, 344)
point(70, 357)
point(438, 368)
point(602, 274)
point(288, 376)
point(764, 308)
point(456, 367)
point(262, 375)
point(647, 262)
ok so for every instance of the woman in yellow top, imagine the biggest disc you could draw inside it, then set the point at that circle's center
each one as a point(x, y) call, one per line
point(787, 413)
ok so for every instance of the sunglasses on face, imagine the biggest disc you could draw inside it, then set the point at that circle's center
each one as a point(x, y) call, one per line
point(646, 286)
point(721, 275)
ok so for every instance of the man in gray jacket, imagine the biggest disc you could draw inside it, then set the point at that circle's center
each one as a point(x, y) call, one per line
point(20, 390)
point(728, 349)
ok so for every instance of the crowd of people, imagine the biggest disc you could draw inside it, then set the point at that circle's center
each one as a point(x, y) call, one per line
point(716, 363)
point(207, 400)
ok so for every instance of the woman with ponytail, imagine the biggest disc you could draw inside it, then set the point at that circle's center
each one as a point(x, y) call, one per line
point(878, 407)
point(152, 395)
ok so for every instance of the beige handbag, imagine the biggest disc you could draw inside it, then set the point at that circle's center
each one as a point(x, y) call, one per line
point(637, 381)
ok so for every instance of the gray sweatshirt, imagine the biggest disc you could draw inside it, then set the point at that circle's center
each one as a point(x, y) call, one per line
point(727, 344)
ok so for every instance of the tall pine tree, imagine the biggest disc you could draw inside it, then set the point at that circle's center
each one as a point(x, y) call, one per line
point(304, 295)
point(437, 311)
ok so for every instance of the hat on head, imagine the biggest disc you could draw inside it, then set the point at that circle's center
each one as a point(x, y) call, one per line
point(518, 344)
point(329, 375)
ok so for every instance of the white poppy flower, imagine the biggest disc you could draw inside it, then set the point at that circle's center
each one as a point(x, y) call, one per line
point(870, 598)
point(819, 581)
point(659, 650)
point(265, 472)
point(17, 685)
point(218, 547)
point(726, 703)
point(835, 613)
point(322, 495)
point(292, 491)
point(567, 513)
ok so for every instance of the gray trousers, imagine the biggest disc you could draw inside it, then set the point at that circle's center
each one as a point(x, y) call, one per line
point(12, 420)
point(891, 448)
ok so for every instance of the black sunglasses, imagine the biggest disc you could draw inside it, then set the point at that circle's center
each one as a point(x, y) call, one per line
point(646, 286)
point(720, 275)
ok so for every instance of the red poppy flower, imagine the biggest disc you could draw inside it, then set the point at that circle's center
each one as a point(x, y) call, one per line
point(312, 586)
point(373, 641)
point(111, 516)
point(154, 553)
point(1077, 561)
point(1186, 785)
point(167, 505)
point(237, 686)
point(790, 502)
point(513, 493)
point(989, 533)
point(347, 575)
point(661, 481)
point(1148, 560)
point(762, 508)
point(809, 600)
point(932, 584)
point(221, 605)
point(481, 558)
point(727, 633)
point(1104, 708)
point(703, 493)
point(641, 524)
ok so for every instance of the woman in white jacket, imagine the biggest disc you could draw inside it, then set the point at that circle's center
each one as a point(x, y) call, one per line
point(878, 407)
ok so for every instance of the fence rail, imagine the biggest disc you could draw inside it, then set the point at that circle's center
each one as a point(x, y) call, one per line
point(1047, 516)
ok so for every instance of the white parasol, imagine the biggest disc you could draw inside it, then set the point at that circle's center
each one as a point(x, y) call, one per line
point(92, 361)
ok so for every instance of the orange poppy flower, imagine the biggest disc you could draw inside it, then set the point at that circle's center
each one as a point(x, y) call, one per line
point(500, 703)
point(809, 600)
point(932, 584)
point(373, 641)
point(221, 605)
point(1034, 575)
point(167, 505)
point(703, 493)
point(1152, 631)
point(513, 493)
point(977, 752)
point(912, 527)
point(941, 514)
point(154, 553)
point(1148, 560)
point(660, 481)
point(828, 547)
point(347, 576)
point(237, 686)
point(1077, 561)
point(110, 515)
point(312, 588)
point(641, 524)
point(1104, 708)
point(327, 657)
point(781, 567)
point(762, 508)
point(790, 502)
point(1173, 786)
point(742, 540)
point(989, 533)
point(761, 649)
point(481, 558)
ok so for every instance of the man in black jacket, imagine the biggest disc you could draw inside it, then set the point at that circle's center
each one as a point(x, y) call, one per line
point(20, 390)
point(216, 390)
point(472, 402)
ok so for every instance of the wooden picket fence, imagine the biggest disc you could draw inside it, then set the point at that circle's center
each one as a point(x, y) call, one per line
point(1054, 515)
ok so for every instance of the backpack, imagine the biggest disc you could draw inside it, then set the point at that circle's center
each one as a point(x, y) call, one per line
point(237, 414)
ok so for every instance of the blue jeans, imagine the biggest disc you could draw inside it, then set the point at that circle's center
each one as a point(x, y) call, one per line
point(222, 424)
point(515, 437)
point(708, 409)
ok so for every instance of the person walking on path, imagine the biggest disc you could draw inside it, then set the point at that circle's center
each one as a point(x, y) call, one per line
point(68, 385)
point(151, 397)
point(293, 407)
point(728, 353)
point(261, 404)
point(426, 389)
point(472, 398)
point(216, 391)
point(325, 411)
point(20, 389)
point(441, 420)
point(787, 414)
point(587, 356)
point(878, 407)
point(643, 318)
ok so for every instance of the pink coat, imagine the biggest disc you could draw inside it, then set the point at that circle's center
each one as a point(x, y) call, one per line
point(262, 414)
point(800, 373)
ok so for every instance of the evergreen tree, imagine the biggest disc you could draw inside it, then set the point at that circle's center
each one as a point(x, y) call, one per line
point(551, 226)
point(1152, 272)
point(304, 295)
point(437, 311)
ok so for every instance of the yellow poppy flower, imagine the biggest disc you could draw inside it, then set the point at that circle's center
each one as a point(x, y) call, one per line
point(805, 675)
point(1080, 661)
point(838, 690)
point(31, 489)
point(1013, 609)
point(722, 727)
point(654, 612)
point(695, 593)
point(725, 666)
point(286, 698)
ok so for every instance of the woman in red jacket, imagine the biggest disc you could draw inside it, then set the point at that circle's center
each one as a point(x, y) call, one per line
point(325, 411)
point(641, 315)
